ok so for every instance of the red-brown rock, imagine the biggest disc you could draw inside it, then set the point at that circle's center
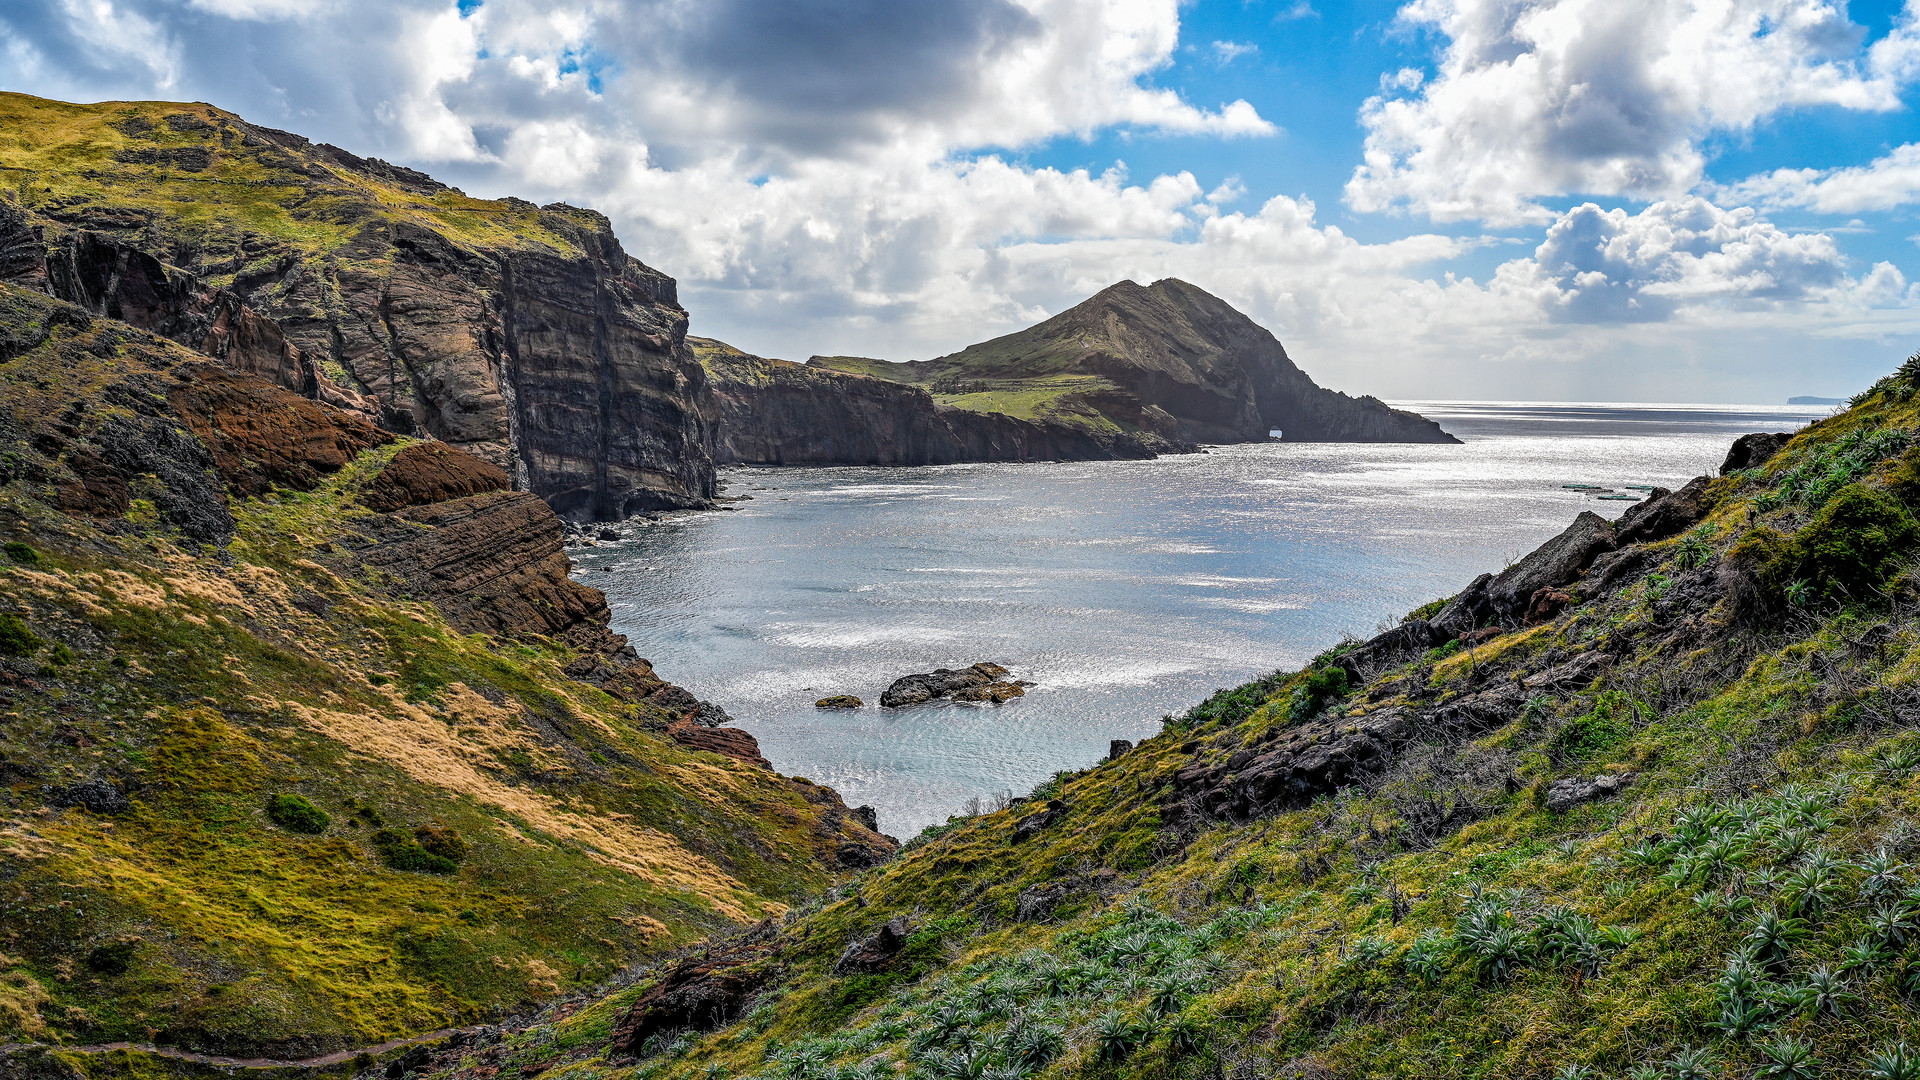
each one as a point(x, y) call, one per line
point(432, 473)
point(732, 742)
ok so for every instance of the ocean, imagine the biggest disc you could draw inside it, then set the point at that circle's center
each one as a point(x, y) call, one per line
point(1124, 590)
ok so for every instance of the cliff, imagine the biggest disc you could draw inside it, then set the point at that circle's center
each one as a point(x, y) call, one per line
point(1642, 803)
point(311, 742)
point(524, 335)
point(1167, 359)
point(776, 412)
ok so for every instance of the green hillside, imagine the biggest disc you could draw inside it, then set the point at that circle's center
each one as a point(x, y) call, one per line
point(301, 753)
point(1411, 872)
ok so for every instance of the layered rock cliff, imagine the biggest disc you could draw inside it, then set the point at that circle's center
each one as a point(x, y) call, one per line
point(776, 412)
point(523, 334)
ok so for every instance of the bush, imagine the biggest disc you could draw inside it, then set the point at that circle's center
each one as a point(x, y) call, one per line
point(1606, 726)
point(1322, 685)
point(441, 841)
point(1850, 548)
point(113, 958)
point(1826, 469)
point(402, 851)
point(297, 814)
point(16, 638)
point(22, 553)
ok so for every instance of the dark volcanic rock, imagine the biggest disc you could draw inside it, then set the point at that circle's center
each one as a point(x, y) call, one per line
point(839, 701)
point(980, 679)
point(1504, 598)
point(1753, 451)
point(1389, 650)
point(1032, 825)
point(876, 950)
point(1663, 513)
point(1037, 903)
point(700, 992)
point(96, 795)
point(1290, 769)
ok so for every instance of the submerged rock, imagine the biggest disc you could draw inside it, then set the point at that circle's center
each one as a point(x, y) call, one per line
point(839, 701)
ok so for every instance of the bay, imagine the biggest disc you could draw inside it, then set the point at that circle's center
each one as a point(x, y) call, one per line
point(1124, 590)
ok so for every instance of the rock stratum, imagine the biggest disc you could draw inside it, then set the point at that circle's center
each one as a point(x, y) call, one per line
point(524, 335)
point(310, 742)
point(1643, 803)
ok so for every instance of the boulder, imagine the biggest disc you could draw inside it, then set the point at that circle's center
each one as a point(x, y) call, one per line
point(1663, 513)
point(1117, 749)
point(839, 701)
point(1753, 451)
point(946, 682)
point(867, 816)
point(1032, 826)
point(1546, 605)
point(97, 795)
point(1388, 650)
point(1570, 792)
point(1504, 598)
point(876, 950)
point(1037, 903)
point(701, 992)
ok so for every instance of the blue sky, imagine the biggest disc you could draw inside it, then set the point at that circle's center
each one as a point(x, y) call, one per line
point(1682, 200)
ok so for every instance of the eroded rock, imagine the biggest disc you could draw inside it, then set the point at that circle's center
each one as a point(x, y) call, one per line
point(1753, 451)
point(701, 992)
point(1663, 513)
point(982, 682)
point(876, 950)
point(1565, 794)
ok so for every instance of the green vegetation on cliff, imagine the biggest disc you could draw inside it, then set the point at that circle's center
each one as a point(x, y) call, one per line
point(267, 786)
point(1670, 829)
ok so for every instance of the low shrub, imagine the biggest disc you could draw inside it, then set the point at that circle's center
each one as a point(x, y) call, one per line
point(297, 813)
point(1851, 547)
point(1607, 725)
point(1322, 685)
point(402, 851)
point(22, 553)
point(16, 638)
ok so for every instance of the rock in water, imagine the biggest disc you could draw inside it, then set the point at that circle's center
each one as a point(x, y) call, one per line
point(1753, 451)
point(839, 701)
point(981, 682)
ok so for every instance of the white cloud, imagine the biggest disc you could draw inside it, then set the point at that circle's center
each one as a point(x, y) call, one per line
point(1226, 52)
point(1539, 98)
point(1301, 9)
point(1882, 184)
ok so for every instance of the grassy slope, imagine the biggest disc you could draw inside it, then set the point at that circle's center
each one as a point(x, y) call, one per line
point(1042, 395)
point(202, 682)
point(1405, 927)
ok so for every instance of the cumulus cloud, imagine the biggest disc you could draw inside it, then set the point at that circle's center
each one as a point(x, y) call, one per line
point(1537, 98)
point(1882, 184)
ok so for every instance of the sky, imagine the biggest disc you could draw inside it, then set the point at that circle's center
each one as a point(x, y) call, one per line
point(1625, 200)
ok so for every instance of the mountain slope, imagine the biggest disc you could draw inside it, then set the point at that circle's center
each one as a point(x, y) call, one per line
point(1644, 804)
point(523, 334)
point(776, 412)
point(1168, 358)
point(309, 740)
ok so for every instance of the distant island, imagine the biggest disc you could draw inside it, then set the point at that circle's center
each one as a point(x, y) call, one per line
point(1816, 401)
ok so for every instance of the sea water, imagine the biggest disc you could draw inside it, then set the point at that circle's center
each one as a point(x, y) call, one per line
point(1124, 590)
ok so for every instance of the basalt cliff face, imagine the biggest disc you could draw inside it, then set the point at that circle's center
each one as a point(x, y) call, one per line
point(1168, 361)
point(310, 741)
point(777, 412)
point(523, 335)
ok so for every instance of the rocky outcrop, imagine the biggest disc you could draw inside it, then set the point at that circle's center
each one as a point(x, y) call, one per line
point(726, 741)
point(524, 335)
point(1034, 824)
point(1663, 513)
point(981, 682)
point(1504, 598)
point(1572, 791)
point(776, 412)
point(1287, 769)
point(429, 473)
point(262, 435)
point(875, 951)
point(699, 993)
point(1753, 451)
